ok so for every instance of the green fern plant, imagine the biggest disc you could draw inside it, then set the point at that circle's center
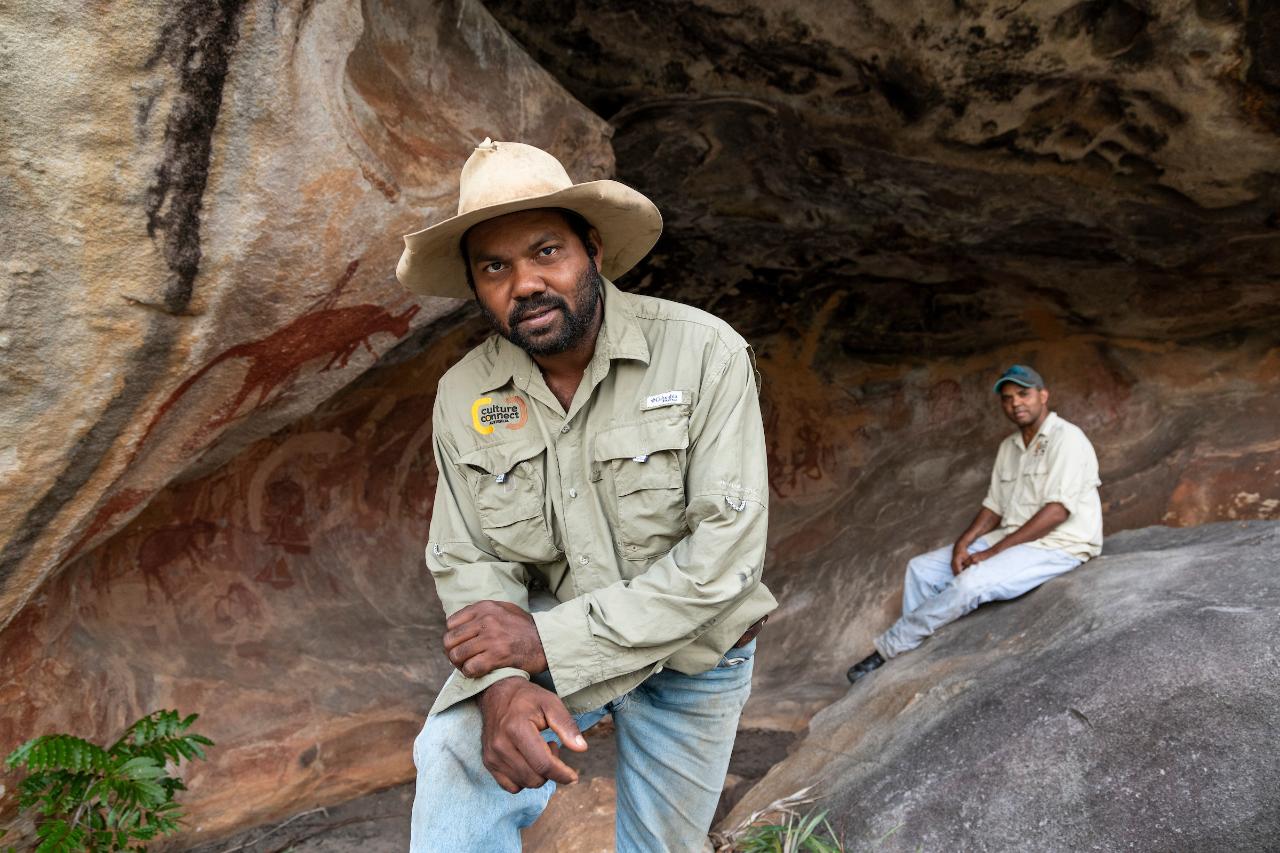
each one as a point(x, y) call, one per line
point(87, 798)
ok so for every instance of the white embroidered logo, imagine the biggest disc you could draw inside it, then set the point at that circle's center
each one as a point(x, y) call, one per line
point(668, 398)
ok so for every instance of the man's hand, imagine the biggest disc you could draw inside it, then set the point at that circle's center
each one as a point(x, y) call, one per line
point(514, 712)
point(959, 557)
point(972, 560)
point(484, 636)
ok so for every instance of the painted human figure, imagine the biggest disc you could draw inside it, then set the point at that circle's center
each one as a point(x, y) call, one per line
point(599, 526)
point(1041, 517)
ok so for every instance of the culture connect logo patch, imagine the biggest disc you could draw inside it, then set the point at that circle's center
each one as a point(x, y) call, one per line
point(486, 414)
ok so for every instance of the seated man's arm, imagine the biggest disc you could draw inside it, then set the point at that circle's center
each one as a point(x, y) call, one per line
point(983, 523)
point(1036, 527)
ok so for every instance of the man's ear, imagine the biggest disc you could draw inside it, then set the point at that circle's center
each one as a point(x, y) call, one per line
point(595, 245)
point(1044, 396)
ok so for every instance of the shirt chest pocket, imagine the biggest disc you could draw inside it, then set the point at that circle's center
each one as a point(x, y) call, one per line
point(1035, 473)
point(644, 466)
point(1025, 481)
point(508, 490)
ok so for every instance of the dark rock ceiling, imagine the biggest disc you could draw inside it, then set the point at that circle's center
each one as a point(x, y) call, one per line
point(943, 166)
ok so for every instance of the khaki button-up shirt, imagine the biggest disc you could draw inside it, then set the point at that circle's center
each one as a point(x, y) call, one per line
point(642, 510)
point(1059, 466)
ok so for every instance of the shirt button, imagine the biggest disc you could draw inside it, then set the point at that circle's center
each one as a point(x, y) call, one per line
point(573, 493)
point(564, 428)
point(658, 670)
point(583, 560)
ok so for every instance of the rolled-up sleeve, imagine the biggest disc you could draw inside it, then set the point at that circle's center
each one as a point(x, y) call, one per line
point(464, 572)
point(634, 623)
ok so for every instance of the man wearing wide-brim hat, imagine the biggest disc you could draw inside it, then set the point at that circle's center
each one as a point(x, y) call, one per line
point(599, 525)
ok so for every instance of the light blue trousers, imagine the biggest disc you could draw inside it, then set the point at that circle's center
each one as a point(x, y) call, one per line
point(932, 596)
point(674, 735)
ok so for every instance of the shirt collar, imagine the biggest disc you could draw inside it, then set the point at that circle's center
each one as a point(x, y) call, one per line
point(1049, 425)
point(620, 337)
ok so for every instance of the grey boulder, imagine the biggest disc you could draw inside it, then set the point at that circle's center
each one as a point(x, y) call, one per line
point(1132, 704)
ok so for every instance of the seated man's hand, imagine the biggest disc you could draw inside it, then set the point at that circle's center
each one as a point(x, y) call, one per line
point(973, 559)
point(484, 636)
point(515, 711)
point(959, 558)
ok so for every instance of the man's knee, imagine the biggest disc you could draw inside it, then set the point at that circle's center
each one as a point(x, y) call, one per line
point(451, 734)
point(924, 565)
point(971, 587)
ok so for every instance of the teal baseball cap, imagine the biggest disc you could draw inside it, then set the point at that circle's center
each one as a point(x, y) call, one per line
point(1022, 375)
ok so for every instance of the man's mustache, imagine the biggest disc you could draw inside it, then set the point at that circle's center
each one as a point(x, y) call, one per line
point(535, 304)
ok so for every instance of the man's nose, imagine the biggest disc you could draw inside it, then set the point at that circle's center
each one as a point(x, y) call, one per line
point(528, 281)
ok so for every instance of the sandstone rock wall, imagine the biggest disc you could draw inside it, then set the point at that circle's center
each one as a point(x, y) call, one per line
point(282, 596)
point(203, 204)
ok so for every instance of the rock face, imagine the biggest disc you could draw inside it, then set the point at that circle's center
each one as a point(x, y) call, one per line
point(892, 203)
point(203, 204)
point(283, 597)
point(1132, 703)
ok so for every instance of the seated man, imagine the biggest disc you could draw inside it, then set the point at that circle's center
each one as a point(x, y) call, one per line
point(1041, 517)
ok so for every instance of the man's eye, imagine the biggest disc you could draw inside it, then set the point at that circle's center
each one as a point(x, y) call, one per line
point(547, 251)
point(493, 266)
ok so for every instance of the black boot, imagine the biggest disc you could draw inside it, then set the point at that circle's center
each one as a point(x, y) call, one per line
point(864, 666)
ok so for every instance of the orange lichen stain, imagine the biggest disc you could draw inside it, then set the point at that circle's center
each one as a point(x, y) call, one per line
point(807, 426)
point(1267, 370)
point(1187, 505)
point(1044, 324)
point(386, 187)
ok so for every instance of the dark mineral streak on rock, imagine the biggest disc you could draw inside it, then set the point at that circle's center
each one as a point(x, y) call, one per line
point(198, 42)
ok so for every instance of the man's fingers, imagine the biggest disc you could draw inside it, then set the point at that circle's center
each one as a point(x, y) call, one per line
point(476, 667)
point(510, 760)
point(464, 615)
point(540, 759)
point(466, 631)
point(560, 721)
point(458, 655)
point(504, 782)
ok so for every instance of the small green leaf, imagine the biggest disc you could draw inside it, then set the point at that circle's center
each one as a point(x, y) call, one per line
point(142, 767)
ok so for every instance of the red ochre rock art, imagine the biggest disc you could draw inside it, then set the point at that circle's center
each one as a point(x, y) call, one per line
point(235, 163)
point(275, 361)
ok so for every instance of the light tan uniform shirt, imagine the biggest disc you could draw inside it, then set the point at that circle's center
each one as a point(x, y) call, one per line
point(643, 510)
point(1059, 466)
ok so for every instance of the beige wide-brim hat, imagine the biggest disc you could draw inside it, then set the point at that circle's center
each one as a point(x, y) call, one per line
point(505, 177)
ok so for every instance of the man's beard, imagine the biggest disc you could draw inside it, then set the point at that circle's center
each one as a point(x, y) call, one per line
point(574, 327)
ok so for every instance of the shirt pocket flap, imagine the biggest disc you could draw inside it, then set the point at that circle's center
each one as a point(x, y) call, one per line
point(501, 458)
point(509, 488)
point(644, 455)
point(643, 439)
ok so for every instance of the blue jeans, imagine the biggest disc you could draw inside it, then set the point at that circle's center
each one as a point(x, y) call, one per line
point(674, 734)
point(932, 596)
